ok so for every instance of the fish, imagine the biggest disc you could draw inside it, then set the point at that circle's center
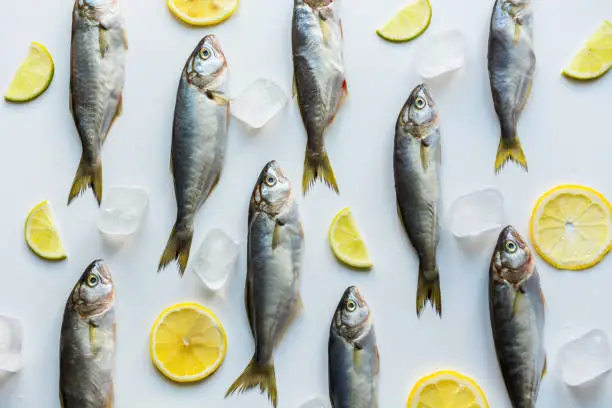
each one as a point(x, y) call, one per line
point(87, 341)
point(416, 163)
point(97, 76)
point(354, 361)
point(319, 81)
point(511, 63)
point(272, 290)
point(517, 311)
point(199, 140)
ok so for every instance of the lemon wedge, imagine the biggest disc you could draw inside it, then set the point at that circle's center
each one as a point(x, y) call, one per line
point(409, 23)
point(595, 57)
point(33, 76)
point(202, 12)
point(41, 233)
point(187, 343)
point(571, 227)
point(447, 389)
point(346, 241)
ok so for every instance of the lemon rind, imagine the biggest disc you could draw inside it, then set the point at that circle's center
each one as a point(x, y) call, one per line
point(442, 374)
point(581, 76)
point(15, 99)
point(402, 39)
point(201, 22)
point(365, 263)
point(58, 255)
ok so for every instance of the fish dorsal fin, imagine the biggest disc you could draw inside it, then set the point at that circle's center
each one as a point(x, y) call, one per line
point(545, 368)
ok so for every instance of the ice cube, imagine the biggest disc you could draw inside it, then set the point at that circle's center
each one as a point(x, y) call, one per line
point(258, 103)
point(216, 259)
point(441, 54)
point(121, 213)
point(316, 402)
point(476, 218)
point(585, 359)
point(11, 338)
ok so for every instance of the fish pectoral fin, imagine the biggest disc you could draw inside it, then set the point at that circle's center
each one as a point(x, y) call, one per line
point(517, 297)
point(545, 368)
point(125, 41)
point(517, 33)
point(376, 361)
point(102, 39)
point(214, 185)
point(424, 153)
point(218, 98)
point(276, 233)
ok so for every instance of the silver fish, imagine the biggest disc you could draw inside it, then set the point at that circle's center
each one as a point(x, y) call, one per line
point(416, 163)
point(199, 139)
point(353, 356)
point(511, 67)
point(319, 81)
point(274, 254)
point(97, 76)
point(516, 306)
point(87, 342)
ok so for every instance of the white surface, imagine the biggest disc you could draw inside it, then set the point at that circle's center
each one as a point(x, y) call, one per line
point(565, 132)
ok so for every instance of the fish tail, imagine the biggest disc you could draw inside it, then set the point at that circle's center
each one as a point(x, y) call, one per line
point(87, 175)
point(318, 167)
point(256, 375)
point(177, 248)
point(510, 149)
point(429, 290)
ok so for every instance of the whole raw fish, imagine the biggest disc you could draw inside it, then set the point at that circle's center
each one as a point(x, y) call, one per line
point(274, 254)
point(416, 163)
point(199, 139)
point(97, 76)
point(353, 354)
point(511, 66)
point(517, 318)
point(319, 81)
point(87, 342)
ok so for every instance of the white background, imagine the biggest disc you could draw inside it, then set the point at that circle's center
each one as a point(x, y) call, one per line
point(566, 135)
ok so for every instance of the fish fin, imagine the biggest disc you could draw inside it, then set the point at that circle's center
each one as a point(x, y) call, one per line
point(428, 290)
point(318, 167)
point(510, 150)
point(344, 95)
point(424, 162)
point(111, 120)
point(110, 403)
point(87, 176)
point(214, 185)
point(177, 248)
point(125, 41)
point(545, 368)
point(517, 33)
point(248, 303)
point(70, 104)
point(218, 98)
point(294, 92)
point(295, 313)
point(376, 368)
point(102, 40)
point(256, 376)
point(61, 397)
point(275, 235)
point(519, 293)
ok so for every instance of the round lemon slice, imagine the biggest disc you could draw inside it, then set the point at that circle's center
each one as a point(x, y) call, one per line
point(202, 12)
point(408, 23)
point(33, 76)
point(187, 343)
point(571, 227)
point(447, 389)
point(41, 233)
point(595, 57)
point(346, 241)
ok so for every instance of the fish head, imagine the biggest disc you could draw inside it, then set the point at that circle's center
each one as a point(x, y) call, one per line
point(206, 68)
point(94, 293)
point(315, 4)
point(513, 260)
point(419, 112)
point(352, 317)
point(98, 9)
point(272, 191)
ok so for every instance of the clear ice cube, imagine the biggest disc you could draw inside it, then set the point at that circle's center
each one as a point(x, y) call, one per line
point(258, 103)
point(11, 339)
point(121, 213)
point(216, 259)
point(441, 54)
point(316, 402)
point(476, 218)
point(585, 359)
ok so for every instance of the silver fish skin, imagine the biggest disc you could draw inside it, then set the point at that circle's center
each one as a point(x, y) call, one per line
point(199, 140)
point(319, 81)
point(416, 163)
point(97, 76)
point(511, 61)
point(274, 256)
point(87, 341)
point(516, 304)
point(354, 362)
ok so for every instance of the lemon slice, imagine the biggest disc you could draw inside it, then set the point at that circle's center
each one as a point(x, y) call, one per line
point(408, 23)
point(346, 241)
point(447, 389)
point(33, 76)
point(571, 227)
point(187, 343)
point(41, 233)
point(202, 12)
point(595, 57)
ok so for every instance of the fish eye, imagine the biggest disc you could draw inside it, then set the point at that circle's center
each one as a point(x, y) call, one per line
point(511, 247)
point(420, 103)
point(351, 305)
point(270, 180)
point(205, 53)
point(92, 280)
